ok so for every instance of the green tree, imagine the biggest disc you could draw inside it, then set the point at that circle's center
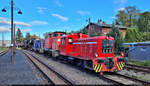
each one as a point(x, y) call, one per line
point(145, 36)
point(34, 37)
point(28, 36)
point(19, 36)
point(144, 22)
point(128, 17)
point(133, 35)
point(118, 38)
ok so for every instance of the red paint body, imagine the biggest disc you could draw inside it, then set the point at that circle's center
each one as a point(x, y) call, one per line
point(83, 47)
point(52, 41)
point(87, 48)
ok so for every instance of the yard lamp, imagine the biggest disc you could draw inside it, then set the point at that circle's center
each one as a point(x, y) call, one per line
point(12, 30)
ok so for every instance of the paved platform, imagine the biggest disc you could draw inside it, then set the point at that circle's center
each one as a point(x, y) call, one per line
point(19, 72)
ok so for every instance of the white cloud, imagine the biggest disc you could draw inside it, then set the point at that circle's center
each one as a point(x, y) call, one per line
point(121, 9)
point(113, 17)
point(22, 23)
point(37, 22)
point(26, 30)
point(41, 9)
point(58, 3)
point(4, 29)
point(120, 2)
point(83, 12)
point(4, 21)
point(60, 17)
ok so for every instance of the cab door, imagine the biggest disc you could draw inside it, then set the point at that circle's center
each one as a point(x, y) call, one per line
point(63, 46)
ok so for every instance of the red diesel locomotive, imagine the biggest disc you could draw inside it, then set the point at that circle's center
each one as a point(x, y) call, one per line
point(51, 44)
point(94, 53)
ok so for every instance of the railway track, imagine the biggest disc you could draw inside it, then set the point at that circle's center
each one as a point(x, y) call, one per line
point(53, 76)
point(137, 68)
point(123, 79)
point(3, 52)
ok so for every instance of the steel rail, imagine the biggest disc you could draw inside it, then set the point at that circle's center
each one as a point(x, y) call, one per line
point(54, 81)
point(3, 52)
point(138, 68)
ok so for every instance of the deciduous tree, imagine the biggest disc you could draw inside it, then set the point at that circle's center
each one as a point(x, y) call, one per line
point(128, 16)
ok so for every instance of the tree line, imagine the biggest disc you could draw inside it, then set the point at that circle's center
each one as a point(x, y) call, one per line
point(20, 38)
point(138, 24)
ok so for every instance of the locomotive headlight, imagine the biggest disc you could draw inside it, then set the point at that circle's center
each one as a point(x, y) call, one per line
point(107, 38)
point(96, 54)
point(70, 40)
point(58, 40)
point(122, 54)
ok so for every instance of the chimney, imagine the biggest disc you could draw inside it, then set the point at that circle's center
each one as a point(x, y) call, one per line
point(104, 22)
point(98, 21)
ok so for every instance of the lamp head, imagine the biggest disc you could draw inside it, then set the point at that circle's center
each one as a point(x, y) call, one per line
point(3, 10)
point(19, 12)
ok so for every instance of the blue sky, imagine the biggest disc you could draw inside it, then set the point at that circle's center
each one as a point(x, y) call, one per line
point(40, 16)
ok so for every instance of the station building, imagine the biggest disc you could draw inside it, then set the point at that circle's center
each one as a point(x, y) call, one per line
point(104, 28)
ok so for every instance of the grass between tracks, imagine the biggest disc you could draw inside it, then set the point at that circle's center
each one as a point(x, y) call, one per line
point(143, 63)
point(3, 49)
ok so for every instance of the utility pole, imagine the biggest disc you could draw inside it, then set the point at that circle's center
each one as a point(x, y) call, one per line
point(89, 26)
point(12, 49)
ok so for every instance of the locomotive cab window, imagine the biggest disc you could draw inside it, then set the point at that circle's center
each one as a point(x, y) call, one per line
point(70, 40)
point(107, 46)
point(61, 34)
point(55, 35)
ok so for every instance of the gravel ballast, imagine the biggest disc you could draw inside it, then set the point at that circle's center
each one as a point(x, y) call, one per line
point(77, 75)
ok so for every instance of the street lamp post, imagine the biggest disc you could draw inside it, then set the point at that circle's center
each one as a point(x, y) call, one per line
point(12, 50)
point(12, 31)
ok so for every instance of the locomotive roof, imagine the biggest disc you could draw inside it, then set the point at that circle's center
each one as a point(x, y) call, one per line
point(60, 32)
point(97, 37)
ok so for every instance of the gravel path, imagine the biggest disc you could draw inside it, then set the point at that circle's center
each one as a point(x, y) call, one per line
point(138, 75)
point(17, 73)
point(78, 75)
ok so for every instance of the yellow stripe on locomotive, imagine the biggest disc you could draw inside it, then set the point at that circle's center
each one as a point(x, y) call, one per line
point(120, 65)
point(97, 67)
